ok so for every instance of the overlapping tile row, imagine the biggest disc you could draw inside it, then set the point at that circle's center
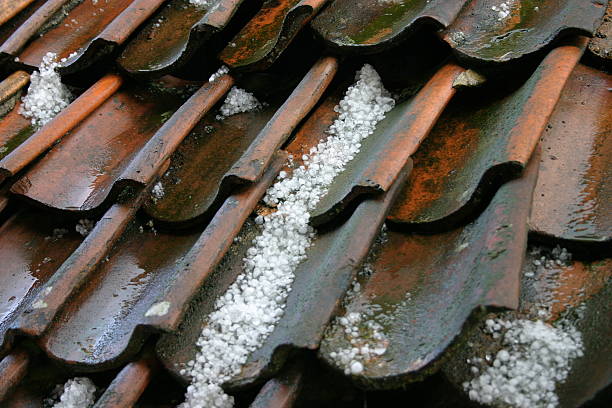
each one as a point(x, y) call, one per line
point(479, 31)
point(579, 292)
point(423, 288)
point(159, 278)
point(89, 29)
point(171, 37)
point(248, 141)
point(494, 133)
point(483, 34)
point(262, 39)
point(371, 25)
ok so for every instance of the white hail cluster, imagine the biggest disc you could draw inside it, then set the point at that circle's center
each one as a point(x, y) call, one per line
point(248, 312)
point(201, 3)
point(84, 226)
point(503, 10)
point(524, 374)
point(47, 95)
point(223, 69)
point(238, 101)
point(78, 392)
point(366, 341)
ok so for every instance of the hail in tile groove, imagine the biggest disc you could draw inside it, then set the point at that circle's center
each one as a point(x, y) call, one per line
point(47, 95)
point(238, 101)
point(534, 355)
point(248, 312)
point(201, 3)
point(78, 392)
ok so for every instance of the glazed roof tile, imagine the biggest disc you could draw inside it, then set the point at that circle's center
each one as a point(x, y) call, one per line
point(452, 167)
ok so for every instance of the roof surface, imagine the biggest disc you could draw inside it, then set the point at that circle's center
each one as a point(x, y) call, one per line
point(497, 151)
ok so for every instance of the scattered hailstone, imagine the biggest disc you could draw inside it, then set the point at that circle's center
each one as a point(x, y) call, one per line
point(524, 374)
point(220, 72)
point(252, 306)
point(84, 226)
point(78, 392)
point(366, 341)
point(503, 10)
point(47, 95)
point(158, 191)
point(238, 101)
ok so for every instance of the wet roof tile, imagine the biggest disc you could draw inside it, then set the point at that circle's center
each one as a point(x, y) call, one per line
point(371, 25)
point(426, 286)
point(248, 141)
point(573, 199)
point(262, 39)
point(493, 136)
point(482, 34)
point(580, 291)
point(173, 35)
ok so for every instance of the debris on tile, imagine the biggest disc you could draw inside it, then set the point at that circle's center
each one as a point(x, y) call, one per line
point(534, 357)
point(47, 95)
point(58, 233)
point(248, 312)
point(78, 392)
point(540, 275)
point(238, 101)
point(84, 226)
point(220, 72)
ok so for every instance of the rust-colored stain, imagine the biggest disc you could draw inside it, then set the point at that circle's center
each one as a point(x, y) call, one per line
point(281, 391)
point(168, 41)
point(267, 35)
point(13, 368)
point(482, 139)
point(480, 34)
point(428, 285)
point(320, 282)
point(601, 43)
point(129, 384)
point(371, 25)
point(93, 156)
point(32, 247)
point(10, 8)
point(573, 198)
point(72, 115)
point(386, 152)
